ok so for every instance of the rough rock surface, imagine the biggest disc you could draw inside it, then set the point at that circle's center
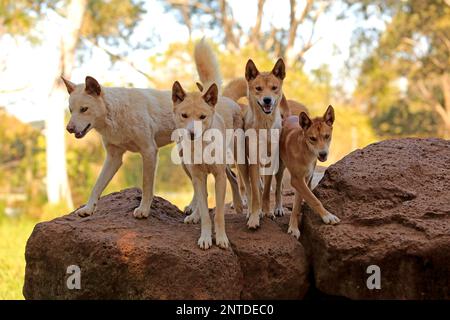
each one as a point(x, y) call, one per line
point(393, 199)
point(124, 258)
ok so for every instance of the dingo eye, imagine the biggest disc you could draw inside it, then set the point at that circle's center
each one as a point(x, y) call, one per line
point(83, 109)
point(274, 88)
point(202, 117)
point(313, 139)
point(327, 136)
point(184, 115)
point(258, 88)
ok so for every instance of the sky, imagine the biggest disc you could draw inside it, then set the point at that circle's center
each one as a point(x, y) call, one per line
point(25, 67)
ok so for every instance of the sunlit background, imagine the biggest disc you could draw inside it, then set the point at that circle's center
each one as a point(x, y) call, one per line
point(384, 65)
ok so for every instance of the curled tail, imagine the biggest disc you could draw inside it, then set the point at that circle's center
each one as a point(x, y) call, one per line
point(236, 89)
point(207, 65)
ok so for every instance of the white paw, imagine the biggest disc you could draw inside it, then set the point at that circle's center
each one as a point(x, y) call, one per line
point(279, 212)
point(222, 241)
point(141, 213)
point(330, 219)
point(205, 242)
point(253, 221)
point(86, 211)
point(193, 218)
point(294, 231)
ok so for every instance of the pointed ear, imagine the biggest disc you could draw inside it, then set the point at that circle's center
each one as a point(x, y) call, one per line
point(199, 86)
point(92, 86)
point(178, 93)
point(279, 70)
point(69, 85)
point(328, 117)
point(211, 95)
point(304, 121)
point(251, 72)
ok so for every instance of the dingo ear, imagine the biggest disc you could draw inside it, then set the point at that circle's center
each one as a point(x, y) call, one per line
point(251, 72)
point(69, 85)
point(178, 93)
point(199, 86)
point(328, 117)
point(279, 70)
point(304, 121)
point(211, 95)
point(92, 86)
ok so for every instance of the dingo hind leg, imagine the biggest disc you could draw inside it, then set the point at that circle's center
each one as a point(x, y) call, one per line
point(149, 160)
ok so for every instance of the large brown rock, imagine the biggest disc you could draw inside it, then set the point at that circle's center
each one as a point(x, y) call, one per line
point(393, 198)
point(124, 258)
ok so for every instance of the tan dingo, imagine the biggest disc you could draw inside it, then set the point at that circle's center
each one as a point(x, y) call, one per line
point(264, 93)
point(137, 120)
point(302, 142)
point(212, 111)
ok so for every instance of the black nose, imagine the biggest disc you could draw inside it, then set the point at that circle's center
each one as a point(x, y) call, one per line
point(267, 100)
point(70, 129)
point(323, 155)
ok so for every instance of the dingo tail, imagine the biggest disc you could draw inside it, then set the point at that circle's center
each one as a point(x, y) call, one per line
point(207, 65)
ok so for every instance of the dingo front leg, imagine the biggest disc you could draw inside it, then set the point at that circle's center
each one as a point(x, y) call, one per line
point(300, 185)
point(190, 208)
point(219, 218)
point(294, 219)
point(266, 197)
point(112, 164)
point(255, 209)
point(149, 161)
point(199, 182)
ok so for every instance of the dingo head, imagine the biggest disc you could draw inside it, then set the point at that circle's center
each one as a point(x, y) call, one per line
point(317, 132)
point(86, 106)
point(265, 88)
point(194, 106)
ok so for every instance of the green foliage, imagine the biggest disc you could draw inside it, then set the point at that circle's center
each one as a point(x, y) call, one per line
point(414, 51)
point(19, 16)
point(14, 234)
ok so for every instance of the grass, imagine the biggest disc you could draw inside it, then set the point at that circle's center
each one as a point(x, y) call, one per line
point(13, 234)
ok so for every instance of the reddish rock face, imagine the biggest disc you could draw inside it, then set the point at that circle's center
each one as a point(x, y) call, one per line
point(124, 258)
point(393, 198)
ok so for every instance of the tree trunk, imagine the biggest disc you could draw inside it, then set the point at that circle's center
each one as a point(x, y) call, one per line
point(58, 189)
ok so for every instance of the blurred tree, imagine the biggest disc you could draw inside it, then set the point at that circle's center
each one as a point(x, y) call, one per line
point(287, 42)
point(410, 65)
point(101, 23)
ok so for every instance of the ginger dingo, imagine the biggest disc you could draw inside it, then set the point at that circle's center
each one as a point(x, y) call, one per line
point(264, 93)
point(212, 111)
point(137, 120)
point(302, 142)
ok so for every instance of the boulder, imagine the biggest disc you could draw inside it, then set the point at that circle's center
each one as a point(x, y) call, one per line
point(121, 257)
point(393, 198)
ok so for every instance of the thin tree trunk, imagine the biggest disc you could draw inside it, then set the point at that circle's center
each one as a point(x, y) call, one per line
point(57, 180)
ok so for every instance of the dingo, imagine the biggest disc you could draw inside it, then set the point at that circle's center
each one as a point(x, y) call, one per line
point(264, 93)
point(214, 112)
point(137, 120)
point(302, 142)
